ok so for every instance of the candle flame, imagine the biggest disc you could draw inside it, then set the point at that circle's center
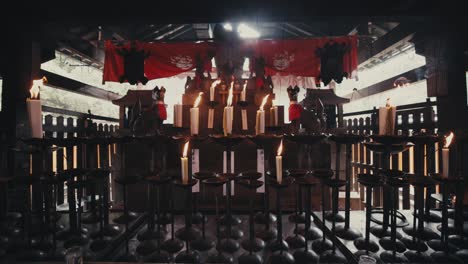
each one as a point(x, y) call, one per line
point(36, 87)
point(264, 102)
point(280, 149)
point(448, 140)
point(215, 83)
point(197, 101)
point(229, 99)
point(186, 149)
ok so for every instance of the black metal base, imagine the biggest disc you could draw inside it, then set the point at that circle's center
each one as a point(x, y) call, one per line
point(451, 229)
point(188, 256)
point(149, 234)
point(361, 244)
point(68, 233)
point(459, 241)
point(462, 254)
point(76, 241)
point(235, 220)
point(360, 253)
point(442, 257)
point(380, 232)
point(388, 244)
point(278, 245)
point(390, 257)
point(320, 245)
point(228, 245)
point(437, 245)
point(172, 245)
point(107, 231)
point(296, 241)
point(260, 218)
point(254, 245)
point(414, 244)
point(45, 245)
point(424, 234)
point(305, 257)
point(99, 244)
point(219, 257)
point(333, 257)
point(300, 218)
point(339, 218)
point(198, 217)
point(188, 233)
point(146, 247)
point(347, 234)
point(202, 244)
point(247, 258)
point(90, 218)
point(414, 256)
point(431, 217)
point(32, 255)
point(165, 219)
point(267, 235)
point(281, 258)
point(127, 258)
point(311, 234)
point(124, 219)
point(11, 231)
point(235, 233)
point(159, 257)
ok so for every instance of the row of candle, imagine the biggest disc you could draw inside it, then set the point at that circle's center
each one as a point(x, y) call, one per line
point(228, 115)
point(185, 171)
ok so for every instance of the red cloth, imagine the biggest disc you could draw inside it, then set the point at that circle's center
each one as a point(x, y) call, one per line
point(162, 111)
point(259, 82)
point(295, 111)
point(165, 59)
point(298, 57)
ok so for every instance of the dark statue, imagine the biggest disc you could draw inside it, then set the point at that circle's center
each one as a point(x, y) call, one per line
point(331, 62)
point(313, 118)
point(134, 65)
point(202, 66)
point(295, 109)
point(149, 120)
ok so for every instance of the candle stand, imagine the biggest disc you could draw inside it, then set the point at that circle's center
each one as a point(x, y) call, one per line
point(267, 143)
point(203, 244)
point(252, 244)
point(346, 232)
point(188, 233)
point(282, 256)
point(320, 243)
point(297, 241)
point(305, 255)
point(444, 249)
point(364, 245)
point(218, 257)
point(172, 245)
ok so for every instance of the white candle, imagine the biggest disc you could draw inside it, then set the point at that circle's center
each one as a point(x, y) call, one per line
point(387, 117)
point(242, 96)
point(260, 118)
point(184, 164)
point(210, 118)
point(195, 116)
point(274, 116)
point(260, 122)
point(228, 114)
point(279, 164)
point(244, 119)
point(446, 156)
point(34, 107)
point(178, 115)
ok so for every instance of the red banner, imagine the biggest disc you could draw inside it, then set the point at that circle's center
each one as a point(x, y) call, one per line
point(161, 59)
point(299, 57)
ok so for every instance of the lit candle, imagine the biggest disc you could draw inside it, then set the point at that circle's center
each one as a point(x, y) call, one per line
point(212, 89)
point(445, 155)
point(279, 163)
point(228, 114)
point(387, 117)
point(242, 96)
point(178, 115)
point(274, 115)
point(184, 164)
point(34, 107)
point(195, 116)
point(260, 119)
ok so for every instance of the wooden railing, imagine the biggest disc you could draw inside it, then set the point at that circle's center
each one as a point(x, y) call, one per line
point(410, 119)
